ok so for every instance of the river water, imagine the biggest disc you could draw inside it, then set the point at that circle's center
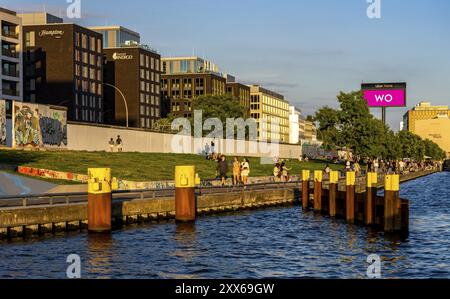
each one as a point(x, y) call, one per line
point(271, 243)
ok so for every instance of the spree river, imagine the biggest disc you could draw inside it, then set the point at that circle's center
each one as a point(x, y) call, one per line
point(272, 243)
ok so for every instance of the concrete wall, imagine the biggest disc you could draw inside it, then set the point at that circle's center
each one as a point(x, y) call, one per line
point(88, 137)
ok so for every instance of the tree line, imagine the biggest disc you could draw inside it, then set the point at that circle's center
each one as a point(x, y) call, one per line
point(352, 126)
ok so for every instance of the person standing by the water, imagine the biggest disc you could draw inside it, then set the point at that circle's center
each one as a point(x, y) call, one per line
point(245, 171)
point(223, 169)
point(236, 171)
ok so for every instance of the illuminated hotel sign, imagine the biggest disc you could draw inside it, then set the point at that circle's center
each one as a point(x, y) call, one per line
point(52, 33)
point(122, 56)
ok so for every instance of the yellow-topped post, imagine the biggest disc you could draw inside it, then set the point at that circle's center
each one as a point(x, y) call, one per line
point(99, 200)
point(350, 197)
point(371, 195)
point(318, 176)
point(305, 189)
point(332, 189)
point(185, 206)
point(392, 204)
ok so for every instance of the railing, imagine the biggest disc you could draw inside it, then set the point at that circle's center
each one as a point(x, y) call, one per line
point(10, 92)
point(11, 73)
point(9, 53)
point(10, 34)
point(127, 195)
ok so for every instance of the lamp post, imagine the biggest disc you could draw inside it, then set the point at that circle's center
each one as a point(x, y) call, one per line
point(123, 97)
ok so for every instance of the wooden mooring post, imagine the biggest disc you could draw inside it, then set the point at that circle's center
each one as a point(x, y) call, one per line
point(305, 189)
point(392, 204)
point(370, 198)
point(332, 192)
point(350, 197)
point(318, 176)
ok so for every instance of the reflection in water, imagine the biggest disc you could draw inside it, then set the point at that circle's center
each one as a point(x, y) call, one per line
point(99, 254)
point(279, 242)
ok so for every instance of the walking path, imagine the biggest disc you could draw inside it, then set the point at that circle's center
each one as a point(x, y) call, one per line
point(11, 184)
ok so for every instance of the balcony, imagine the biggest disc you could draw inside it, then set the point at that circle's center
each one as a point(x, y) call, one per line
point(10, 34)
point(11, 73)
point(10, 92)
point(10, 53)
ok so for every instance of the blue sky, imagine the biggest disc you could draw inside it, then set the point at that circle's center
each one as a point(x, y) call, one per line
point(307, 50)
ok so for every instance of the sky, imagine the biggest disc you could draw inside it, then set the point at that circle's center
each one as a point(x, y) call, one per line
point(307, 50)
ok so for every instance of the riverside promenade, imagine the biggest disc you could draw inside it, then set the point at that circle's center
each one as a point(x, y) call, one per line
point(41, 214)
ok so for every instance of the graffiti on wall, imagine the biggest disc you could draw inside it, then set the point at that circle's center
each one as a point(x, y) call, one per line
point(2, 123)
point(38, 125)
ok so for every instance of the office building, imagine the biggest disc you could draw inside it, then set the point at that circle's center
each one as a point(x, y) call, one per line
point(11, 81)
point(117, 36)
point(242, 93)
point(63, 66)
point(271, 112)
point(188, 65)
point(135, 72)
point(310, 131)
point(294, 125)
point(430, 122)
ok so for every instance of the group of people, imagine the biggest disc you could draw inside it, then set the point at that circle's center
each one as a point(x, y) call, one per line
point(116, 145)
point(241, 170)
point(281, 172)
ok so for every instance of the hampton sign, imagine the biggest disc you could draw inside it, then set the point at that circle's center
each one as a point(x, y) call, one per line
point(52, 33)
point(385, 94)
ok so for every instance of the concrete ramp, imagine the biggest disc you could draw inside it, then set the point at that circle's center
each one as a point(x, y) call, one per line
point(11, 185)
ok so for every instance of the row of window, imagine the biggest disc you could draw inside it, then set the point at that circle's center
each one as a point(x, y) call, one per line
point(149, 62)
point(82, 40)
point(88, 101)
point(149, 111)
point(150, 76)
point(88, 115)
point(88, 86)
point(147, 87)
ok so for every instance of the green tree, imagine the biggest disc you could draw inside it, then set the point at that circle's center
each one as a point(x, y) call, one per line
point(411, 145)
point(433, 150)
point(219, 106)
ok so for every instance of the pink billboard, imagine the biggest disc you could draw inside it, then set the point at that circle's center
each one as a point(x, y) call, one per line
point(385, 97)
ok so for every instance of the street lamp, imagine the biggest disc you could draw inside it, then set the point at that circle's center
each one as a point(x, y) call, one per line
point(123, 97)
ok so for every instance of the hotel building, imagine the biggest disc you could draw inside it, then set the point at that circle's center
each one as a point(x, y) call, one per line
point(63, 66)
point(430, 122)
point(11, 81)
point(274, 109)
point(135, 71)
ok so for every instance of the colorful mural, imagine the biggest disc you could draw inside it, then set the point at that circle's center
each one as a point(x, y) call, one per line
point(2, 123)
point(38, 125)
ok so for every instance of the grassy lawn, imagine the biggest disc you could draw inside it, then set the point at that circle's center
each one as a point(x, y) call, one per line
point(138, 166)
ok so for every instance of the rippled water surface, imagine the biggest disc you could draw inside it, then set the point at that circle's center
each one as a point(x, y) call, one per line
point(279, 242)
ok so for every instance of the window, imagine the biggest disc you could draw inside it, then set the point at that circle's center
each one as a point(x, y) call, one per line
point(142, 62)
point(30, 39)
point(84, 41)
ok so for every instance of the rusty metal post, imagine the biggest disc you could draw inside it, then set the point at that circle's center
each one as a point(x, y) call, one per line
point(371, 195)
point(334, 179)
point(99, 200)
point(305, 189)
point(185, 205)
point(392, 204)
point(350, 197)
point(318, 176)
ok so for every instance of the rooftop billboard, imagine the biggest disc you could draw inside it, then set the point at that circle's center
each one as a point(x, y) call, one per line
point(384, 94)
